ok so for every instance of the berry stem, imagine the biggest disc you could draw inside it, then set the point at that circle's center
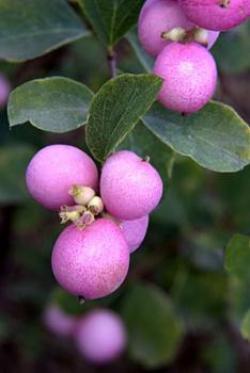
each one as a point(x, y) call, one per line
point(224, 3)
point(81, 300)
point(111, 56)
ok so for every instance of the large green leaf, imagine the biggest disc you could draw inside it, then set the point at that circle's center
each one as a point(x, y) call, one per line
point(154, 329)
point(116, 109)
point(13, 162)
point(111, 19)
point(215, 137)
point(237, 260)
point(30, 28)
point(232, 50)
point(52, 104)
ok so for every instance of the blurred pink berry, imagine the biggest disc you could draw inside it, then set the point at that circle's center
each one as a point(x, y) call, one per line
point(159, 16)
point(220, 15)
point(135, 231)
point(190, 75)
point(4, 90)
point(54, 170)
point(58, 322)
point(100, 336)
point(130, 187)
point(92, 262)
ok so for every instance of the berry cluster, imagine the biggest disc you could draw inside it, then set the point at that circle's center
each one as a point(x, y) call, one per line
point(90, 258)
point(100, 335)
point(180, 33)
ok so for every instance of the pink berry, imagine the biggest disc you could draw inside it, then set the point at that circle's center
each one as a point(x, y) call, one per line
point(212, 38)
point(58, 322)
point(135, 231)
point(54, 170)
point(92, 262)
point(100, 336)
point(4, 90)
point(130, 187)
point(190, 75)
point(220, 15)
point(159, 16)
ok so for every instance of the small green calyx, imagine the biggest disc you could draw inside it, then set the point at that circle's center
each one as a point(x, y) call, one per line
point(81, 194)
point(180, 35)
point(86, 208)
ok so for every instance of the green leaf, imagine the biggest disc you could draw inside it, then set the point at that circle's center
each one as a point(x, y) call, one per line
point(154, 329)
point(111, 19)
point(52, 104)
point(116, 109)
point(13, 162)
point(144, 58)
point(215, 137)
point(237, 257)
point(144, 143)
point(245, 326)
point(232, 50)
point(201, 296)
point(239, 298)
point(30, 28)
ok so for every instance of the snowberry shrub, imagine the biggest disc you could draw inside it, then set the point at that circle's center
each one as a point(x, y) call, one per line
point(100, 336)
point(108, 220)
point(58, 322)
point(220, 15)
point(91, 262)
point(190, 75)
point(161, 16)
point(130, 186)
point(54, 170)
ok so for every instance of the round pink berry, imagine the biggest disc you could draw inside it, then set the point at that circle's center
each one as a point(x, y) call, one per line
point(220, 15)
point(100, 336)
point(135, 231)
point(58, 322)
point(190, 75)
point(54, 170)
point(91, 262)
point(159, 16)
point(130, 186)
point(4, 90)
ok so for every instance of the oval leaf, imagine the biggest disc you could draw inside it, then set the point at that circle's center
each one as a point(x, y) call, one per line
point(53, 104)
point(215, 137)
point(237, 258)
point(111, 19)
point(245, 326)
point(154, 330)
point(116, 109)
point(232, 50)
point(30, 28)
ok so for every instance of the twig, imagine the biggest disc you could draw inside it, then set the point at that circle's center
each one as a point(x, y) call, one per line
point(111, 56)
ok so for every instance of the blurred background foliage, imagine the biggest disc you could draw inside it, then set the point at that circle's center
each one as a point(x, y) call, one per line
point(184, 311)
